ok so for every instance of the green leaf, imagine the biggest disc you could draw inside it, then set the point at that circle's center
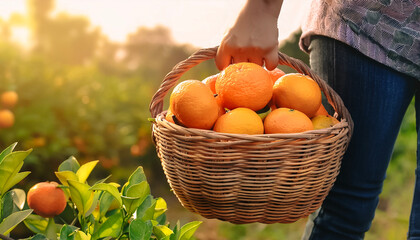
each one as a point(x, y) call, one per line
point(7, 151)
point(67, 232)
point(79, 235)
point(105, 202)
point(150, 212)
point(9, 206)
point(176, 234)
point(39, 236)
point(161, 219)
point(110, 238)
point(35, 223)
point(13, 201)
point(71, 164)
point(110, 188)
point(15, 179)
point(102, 180)
point(10, 166)
point(81, 196)
point(15, 172)
point(140, 190)
point(160, 207)
point(135, 196)
point(111, 227)
point(162, 232)
point(147, 203)
point(129, 204)
point(13, 220)
point(188, 230)
point(51, 230)
point(154, 222)
point(19, 197)
point(93, 204)
point(136, 177)
point(85, 170)
point(140, 230)
point(64, 176)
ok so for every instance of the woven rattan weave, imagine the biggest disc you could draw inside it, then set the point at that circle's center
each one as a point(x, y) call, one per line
point(240, 178)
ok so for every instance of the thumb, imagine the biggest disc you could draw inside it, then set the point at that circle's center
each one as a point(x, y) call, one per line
point(223, 58)
point(271, 60)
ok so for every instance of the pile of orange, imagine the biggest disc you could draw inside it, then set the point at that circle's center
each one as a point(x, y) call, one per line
point(8, 100)
point(246, 98)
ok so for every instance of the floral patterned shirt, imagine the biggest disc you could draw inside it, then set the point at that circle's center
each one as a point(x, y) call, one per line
point(385, 30)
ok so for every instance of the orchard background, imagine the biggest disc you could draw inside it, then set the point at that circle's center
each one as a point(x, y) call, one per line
point(84, 95)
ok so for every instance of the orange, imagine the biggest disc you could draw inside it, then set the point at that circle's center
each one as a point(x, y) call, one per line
point(275, 74)
point(194, 105)
point(108, 162)
point(140, 147)
point(245, 85)
point(222, 109)
point(240, 120)
point(46, 199)
point(321, 111)
point(211, 82)
point(285, 120)
point(9, 99)
point(135, 150)
point(7, 118)
point(297, 91)
point(323, 121)
point(38, 141)
point(169, 116)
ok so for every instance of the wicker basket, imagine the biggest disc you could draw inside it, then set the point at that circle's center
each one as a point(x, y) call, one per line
point(268, 178)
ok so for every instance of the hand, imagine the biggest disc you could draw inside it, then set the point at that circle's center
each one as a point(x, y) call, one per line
point(253, 37)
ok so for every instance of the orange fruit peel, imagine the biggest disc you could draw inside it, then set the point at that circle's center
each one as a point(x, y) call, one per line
point(194, 105)
point(245, 85)
point(323, 121)
point(286, 120)
point(47, 199)
point(240, 120)
point(297, 91)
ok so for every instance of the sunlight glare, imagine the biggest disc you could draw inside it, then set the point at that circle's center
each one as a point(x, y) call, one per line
point(200, 23)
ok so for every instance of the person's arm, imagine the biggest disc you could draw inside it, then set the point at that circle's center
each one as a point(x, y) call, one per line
point(253, 37)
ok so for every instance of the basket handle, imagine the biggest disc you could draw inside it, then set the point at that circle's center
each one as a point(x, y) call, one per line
point(170, 80)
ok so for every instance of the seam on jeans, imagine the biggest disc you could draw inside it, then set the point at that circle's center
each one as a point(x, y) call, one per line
point(412, 219)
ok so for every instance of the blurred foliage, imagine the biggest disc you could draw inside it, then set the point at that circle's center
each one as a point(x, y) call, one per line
point(392, 216)
point(81, 94)
point(258, 231)
point(57, 37)
point(290, 47)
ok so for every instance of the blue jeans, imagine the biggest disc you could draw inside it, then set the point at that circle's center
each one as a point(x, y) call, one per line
point(377, 98)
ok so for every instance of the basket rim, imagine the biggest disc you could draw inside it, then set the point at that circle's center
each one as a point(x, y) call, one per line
point(160, 120)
